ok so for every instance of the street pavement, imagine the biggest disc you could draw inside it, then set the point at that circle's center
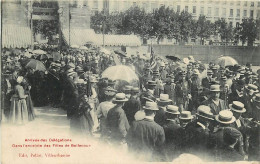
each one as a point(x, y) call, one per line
point(49, 125)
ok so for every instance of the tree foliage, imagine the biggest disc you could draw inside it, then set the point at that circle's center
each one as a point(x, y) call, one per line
point(164, 22)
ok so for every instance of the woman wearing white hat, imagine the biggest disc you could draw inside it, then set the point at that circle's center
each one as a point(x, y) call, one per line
point(18, 111)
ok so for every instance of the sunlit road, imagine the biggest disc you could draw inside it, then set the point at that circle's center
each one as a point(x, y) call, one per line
point(51, 124)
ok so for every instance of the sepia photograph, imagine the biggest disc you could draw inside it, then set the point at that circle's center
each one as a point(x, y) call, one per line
point(130, 81)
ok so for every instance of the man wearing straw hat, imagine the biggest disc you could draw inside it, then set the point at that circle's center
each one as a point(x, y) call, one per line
point(215, 103)
point(197, 132)
point(173, 134)
point(104, 107)
point(132, 105)
point(163, 101)
point(146, 148)
point(225, 119)
point(117, 122)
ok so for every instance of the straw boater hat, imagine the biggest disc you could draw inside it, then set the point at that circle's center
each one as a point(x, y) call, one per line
point(205, 112)
point(109, 91)
point(164, 98)
point(252, 87)
point(128, 88)
point(237, 107)
point(150, 106)
point(186, 115)
point(93, 79)
point(120, 98)
point(209, 72)
point(215, 88)
point(172, 109)
point(135, 90)
point(19, 79)
point(225, 117)
point(256, 98)
point(151, 83)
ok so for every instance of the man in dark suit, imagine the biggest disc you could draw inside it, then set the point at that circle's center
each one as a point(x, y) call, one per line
point(182, 92)
point(132, 105)
point(197, 133)
point(237, 92)
point(215, 103)
point(207, 80)
point(117, 122)
point(173, 133)
point(145, 137)
point(149, 93)
point(163, 101)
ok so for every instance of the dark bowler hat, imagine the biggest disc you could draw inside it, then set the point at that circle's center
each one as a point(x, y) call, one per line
point(150, 106)
point(237, 107)
point(205, 112)
point(186, 115)
point(172, 109)
point(183, 73)
point(241, 82)
point(120, 98)
point(225, 117)
point(256, 98)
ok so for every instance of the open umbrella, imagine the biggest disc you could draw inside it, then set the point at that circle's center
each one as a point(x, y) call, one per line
point(105, 51)
point(173, 58)
point(74, 46)
point(35, 64)
point(120, 52)
point(226, 61)
point(83, 48)
point(39, 52)
point(122, 74)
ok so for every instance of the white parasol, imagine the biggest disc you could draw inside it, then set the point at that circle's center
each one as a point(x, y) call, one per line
point(226, 61)
point(40, 52)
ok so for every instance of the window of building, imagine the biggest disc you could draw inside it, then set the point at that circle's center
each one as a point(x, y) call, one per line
point(224, 12)
point(134, 4)
point(153, 5)
point(202, 10)
point(251, 13)
point(237, 24)
point(145, 6)
point(238, 12)
point(258, 4)
point(187, 8)
point(252, 4)
point(95, 4)
point(245, 13)
point(258, 13)
point(231, 3)
point(245, 3)
point(238, 3)
point(231, 24)
point(194, 10)
point(85, 3)
point(209, 11)
point(231, 13)
point(178, 8)
point(224, 2)
point(216, 12)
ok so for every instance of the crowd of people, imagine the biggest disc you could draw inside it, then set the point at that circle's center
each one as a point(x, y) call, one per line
point(208, 110)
